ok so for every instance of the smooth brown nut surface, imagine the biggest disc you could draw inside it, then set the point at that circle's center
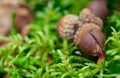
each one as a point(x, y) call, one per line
point(99, 37)
point(67, 26)
point(88, 45)
point(86, 16)
point(99, 8)
point(91, 41)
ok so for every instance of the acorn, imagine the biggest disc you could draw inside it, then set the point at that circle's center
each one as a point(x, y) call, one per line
point(5, 23)
point(99, 8)
point(6, 9)
point(86, 16)
point(23, 17)
point(90, 39)
point(5, 19)
point(67, 26)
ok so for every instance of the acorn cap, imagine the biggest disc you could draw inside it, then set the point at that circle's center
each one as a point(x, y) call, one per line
point(89, 39)
point(67, 26)
point(86, 16)
point(86, 28)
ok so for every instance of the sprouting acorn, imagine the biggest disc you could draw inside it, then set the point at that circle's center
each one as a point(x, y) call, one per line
point(90, 39)
point(98, 8)
point(67, 26)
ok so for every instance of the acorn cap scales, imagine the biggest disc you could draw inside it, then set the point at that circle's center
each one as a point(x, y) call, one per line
point(68, 25)
point(86, 16)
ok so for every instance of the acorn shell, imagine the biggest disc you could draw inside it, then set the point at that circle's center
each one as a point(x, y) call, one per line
point(67, 26)
point(89, 39)
point(99, 8)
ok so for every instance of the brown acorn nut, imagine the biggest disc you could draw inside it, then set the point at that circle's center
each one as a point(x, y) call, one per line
point(23, 17)
point(86, 16)
point(5, 20)
point(99, 8)
point(6, 9)
point(5, 24)
point(67, 26)
point(90, 39)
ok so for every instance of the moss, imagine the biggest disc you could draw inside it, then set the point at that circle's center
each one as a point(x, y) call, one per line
point(28, 57)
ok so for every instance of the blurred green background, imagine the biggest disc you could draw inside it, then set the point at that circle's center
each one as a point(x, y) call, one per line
point(43, 54)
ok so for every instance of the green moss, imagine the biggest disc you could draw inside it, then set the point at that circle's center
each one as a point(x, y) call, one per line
point(28, 57)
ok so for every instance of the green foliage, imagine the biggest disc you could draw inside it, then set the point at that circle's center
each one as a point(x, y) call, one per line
point(43, 54)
